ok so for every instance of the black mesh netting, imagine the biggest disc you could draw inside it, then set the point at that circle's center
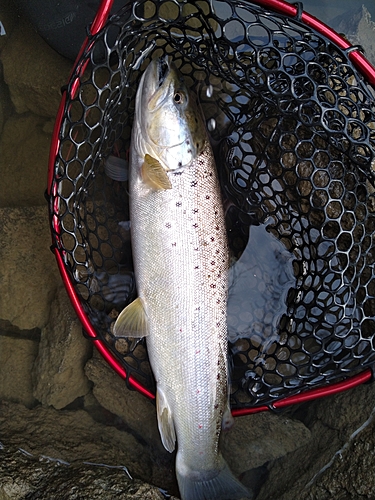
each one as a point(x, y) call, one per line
point(292, 124)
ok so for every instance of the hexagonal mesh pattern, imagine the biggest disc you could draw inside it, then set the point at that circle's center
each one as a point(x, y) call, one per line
point(292, 123)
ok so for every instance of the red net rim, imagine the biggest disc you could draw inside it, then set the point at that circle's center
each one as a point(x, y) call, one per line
point(280, 7)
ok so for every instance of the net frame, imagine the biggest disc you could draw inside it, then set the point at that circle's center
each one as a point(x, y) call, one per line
point(294, 11)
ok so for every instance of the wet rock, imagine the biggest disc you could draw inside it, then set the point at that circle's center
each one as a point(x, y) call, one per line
point(72, 437)
point(28, 272)
point(8, 20)
point(35, 81)
point(338, 458)
point(58, 372)
point(18, 350)
point(25, 477)
point(111, 392)
point(259, 438)
point(24, 150)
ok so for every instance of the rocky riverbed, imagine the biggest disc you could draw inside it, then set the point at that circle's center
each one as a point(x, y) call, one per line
point(69, 427)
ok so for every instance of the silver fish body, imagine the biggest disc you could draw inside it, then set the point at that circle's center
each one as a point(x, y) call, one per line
point(180, 256)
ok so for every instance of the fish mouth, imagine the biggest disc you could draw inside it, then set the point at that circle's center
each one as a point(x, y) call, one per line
point(163, 70)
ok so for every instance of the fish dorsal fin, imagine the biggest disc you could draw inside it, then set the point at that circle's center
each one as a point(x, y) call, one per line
point(132, 321)
point(154, 175)
point(165, 421)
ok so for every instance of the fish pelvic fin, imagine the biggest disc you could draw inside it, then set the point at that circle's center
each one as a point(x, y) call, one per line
point(165, 421)
point(228, 419)
point(132, 321)
point(210, 485)
point(154, 175)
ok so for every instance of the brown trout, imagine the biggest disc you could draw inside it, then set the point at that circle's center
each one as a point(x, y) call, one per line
point(180, 255)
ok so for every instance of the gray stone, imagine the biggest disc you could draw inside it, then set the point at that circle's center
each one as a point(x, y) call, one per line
point(58, 373)
point(28, 274)
point(8, 19)
point(338, 461)
point(37, 77)
point(17, 356)
point(24, 150)
point(26, 477)
point(72, 437)
point(111, 392)
point(259, 438)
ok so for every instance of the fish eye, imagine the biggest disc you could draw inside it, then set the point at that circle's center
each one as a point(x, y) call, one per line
point(178, 98)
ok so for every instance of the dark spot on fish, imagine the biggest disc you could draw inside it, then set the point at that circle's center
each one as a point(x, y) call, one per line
point(212, 238)
point(207, 197)
point(216, 406)
point(195, 211)
point(178, 204)
point(195, 226)
point(217, 228)
point(168, 225)
point(197, 145)
point(194, 184)
point(196, 267)
point(213, 285)
point(174, 244)
point(179, 163)
point(212, 262)
point(189, 151)
point(187, 141)
point(218, 376)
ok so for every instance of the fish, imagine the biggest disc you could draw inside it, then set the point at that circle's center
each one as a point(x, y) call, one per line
point(181, 258)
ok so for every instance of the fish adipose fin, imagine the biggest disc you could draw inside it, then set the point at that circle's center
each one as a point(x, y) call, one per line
point(132, 321)
point(154, 175)
point(165, 421)
point(211, 486)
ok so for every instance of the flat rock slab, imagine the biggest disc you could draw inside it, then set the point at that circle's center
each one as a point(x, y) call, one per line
point(25, 477)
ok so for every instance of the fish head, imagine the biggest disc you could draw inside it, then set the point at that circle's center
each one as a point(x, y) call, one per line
point(170, 126)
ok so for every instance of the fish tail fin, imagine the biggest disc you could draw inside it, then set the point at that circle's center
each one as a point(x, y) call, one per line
point(210, 485)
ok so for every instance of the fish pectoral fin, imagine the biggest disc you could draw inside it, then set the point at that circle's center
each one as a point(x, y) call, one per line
point(154, 175)
point(132, 321)
point(165, 421)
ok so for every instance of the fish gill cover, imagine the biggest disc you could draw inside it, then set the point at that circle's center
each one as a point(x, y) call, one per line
point(292, 124)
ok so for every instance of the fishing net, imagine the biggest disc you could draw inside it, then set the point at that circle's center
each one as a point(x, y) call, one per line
point(291, 115)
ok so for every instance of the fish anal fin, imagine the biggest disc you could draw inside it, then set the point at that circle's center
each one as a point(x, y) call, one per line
point(165, 421)
point(132, 321)
point(154, 175)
